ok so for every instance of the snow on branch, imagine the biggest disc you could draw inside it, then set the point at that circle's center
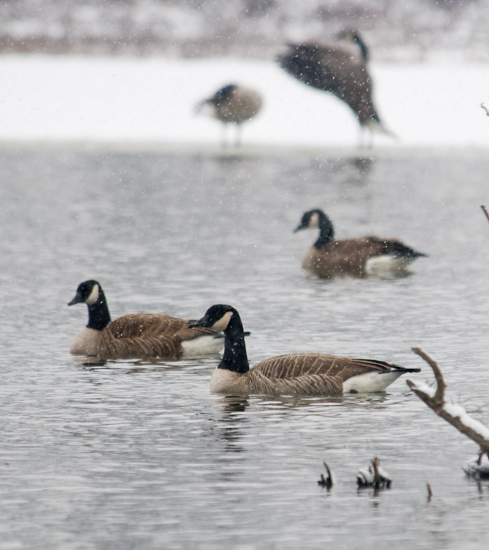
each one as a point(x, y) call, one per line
point(454, 414)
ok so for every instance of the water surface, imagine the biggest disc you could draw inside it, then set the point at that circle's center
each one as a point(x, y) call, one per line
point(129, 455)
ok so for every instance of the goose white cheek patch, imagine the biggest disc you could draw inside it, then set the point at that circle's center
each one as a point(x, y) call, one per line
point(93, 296)
point(223, 322)
point(314, 220)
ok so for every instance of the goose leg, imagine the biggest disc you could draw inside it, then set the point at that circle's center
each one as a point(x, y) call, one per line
point(370, 139)
point(224, 141)
point(361, 134)
point(238, 135)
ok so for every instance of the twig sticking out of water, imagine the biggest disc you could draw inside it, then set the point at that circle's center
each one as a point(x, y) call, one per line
point(430, 492)
point(374, 476)
point(328, 480)
point(454, 414)
point(485, 209)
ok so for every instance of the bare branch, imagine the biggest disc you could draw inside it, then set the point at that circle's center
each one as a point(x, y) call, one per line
point(485, 109)
point(326, 481)
point(453, 414)
point(439, 396)
point(485, 209)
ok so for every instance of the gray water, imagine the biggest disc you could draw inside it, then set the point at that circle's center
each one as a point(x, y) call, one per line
point(130, 455)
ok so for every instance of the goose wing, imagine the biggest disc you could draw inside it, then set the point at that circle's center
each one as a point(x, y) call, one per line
point(302, 364)
point(334, 70)
point(146, 325)
point(356, 251)
point(391, 246)
point(310, 374)
point(147, 335)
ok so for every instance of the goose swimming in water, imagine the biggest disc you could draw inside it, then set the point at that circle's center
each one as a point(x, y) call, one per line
point(338, 70)
point(297, 374)
point(232, 104)
point(137, 336)
point(370, 255)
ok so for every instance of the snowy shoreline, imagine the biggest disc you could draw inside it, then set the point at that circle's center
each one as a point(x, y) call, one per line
point(114, 102)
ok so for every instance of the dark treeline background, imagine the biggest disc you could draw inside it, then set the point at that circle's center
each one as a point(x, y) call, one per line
point(396, 30)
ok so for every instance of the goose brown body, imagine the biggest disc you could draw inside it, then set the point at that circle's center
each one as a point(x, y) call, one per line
point(139, 335)
point(233, 104)
point(295, 374)
point(349, 257)
point(239, 105)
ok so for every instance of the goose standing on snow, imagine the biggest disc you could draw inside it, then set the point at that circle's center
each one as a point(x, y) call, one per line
point(353, 257)
point(137, 336)
point(297, 374)
point(232, 104)
point(338, 70)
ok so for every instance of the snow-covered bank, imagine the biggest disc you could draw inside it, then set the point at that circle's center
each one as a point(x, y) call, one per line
point(152, 100)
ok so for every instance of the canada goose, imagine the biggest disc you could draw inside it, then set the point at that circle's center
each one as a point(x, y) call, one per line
point(232, 104)
point(140, 335)
point(297, 374)
point(334, 69)
point(354, 257)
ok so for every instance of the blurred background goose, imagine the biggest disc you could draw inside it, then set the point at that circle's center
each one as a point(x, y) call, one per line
point(232, 104)
point(297, 374)
point(140, 335)
point(354, 257)
point(339, 70)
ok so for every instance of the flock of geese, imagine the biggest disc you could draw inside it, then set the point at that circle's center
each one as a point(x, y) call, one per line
point(165, 338)
point(339, 68)
point(342, 71)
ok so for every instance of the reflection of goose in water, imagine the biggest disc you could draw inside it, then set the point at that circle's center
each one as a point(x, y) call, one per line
point(338, 70)
point(362, 164)
point(232, 104)
point(298, 374)
point(230, 425)
point(352, 257)
point(140, 335)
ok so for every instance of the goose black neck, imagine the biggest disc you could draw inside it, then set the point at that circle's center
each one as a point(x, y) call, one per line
point(235, 357)
point(362, 46)
point(326, 231)
point(98, 313)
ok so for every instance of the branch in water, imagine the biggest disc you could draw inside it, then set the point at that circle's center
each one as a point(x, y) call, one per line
point(326, 481)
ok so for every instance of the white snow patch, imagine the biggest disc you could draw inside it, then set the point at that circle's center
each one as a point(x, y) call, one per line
point(474, 469)
point(153, 100)
point(366, 476)
point(425, 388)
point(459, 412)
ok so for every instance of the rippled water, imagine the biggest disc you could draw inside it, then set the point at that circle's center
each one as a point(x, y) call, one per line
point(127, 455)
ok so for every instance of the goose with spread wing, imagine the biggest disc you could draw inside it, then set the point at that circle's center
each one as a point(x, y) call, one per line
point(339, 68)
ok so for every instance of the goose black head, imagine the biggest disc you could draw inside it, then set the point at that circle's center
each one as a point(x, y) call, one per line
point(87, 292)
point(223, 94)
point(216, 317)
point(353, 36)
point(310, 220)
